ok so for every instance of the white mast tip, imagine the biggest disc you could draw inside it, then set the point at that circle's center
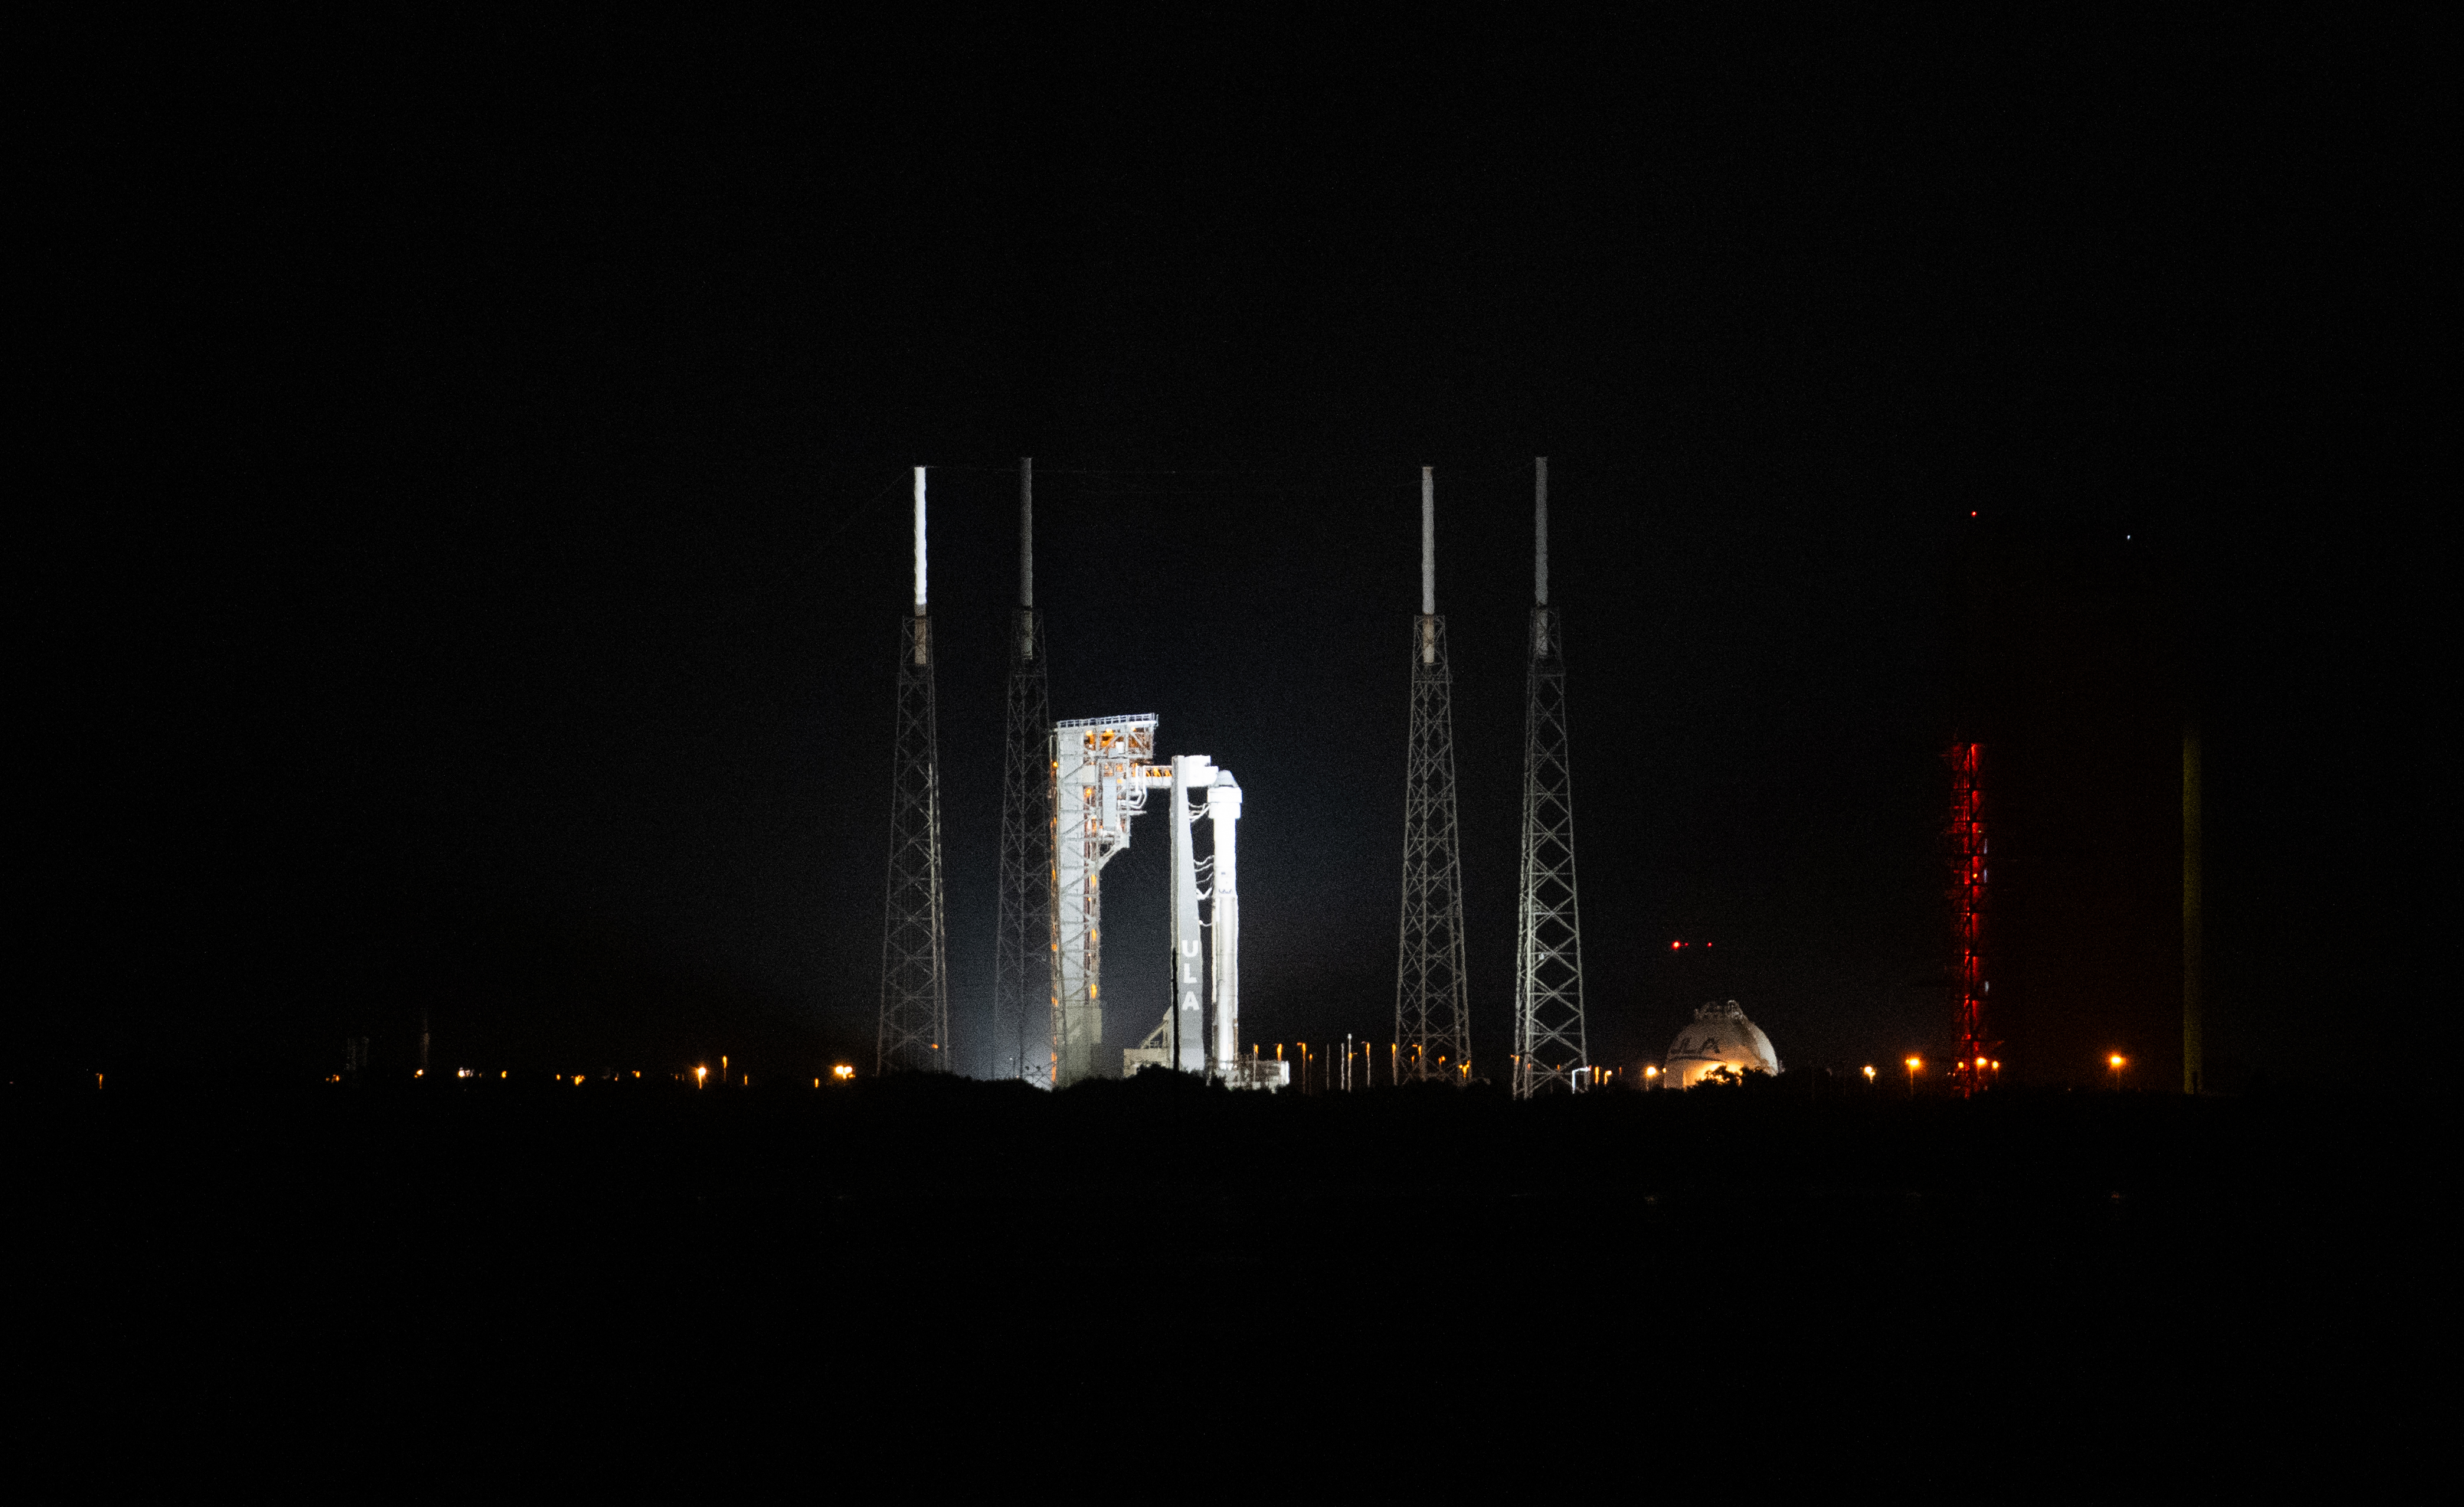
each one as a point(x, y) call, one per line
point(1428, 542)
point(920, 540)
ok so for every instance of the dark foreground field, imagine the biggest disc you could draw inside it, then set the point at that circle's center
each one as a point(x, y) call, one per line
point(1442, 1270)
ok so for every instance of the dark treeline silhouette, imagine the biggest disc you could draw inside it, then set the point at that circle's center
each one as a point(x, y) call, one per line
point(528, 1247)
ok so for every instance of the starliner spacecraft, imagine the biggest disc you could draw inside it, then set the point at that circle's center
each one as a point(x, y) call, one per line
point(1103, 768)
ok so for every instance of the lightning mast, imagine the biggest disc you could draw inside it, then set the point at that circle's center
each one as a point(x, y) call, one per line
point(1022, 936)
point(1432, 1013)
point(914, 1032)
point(1548, 1040)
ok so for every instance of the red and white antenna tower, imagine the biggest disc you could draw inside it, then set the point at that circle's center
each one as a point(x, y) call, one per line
point(1969, 853)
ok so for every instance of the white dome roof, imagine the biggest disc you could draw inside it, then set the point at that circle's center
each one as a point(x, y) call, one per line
point(1718, 1036)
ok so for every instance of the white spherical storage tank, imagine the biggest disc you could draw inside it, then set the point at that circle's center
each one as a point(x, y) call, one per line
point(1718, 1036)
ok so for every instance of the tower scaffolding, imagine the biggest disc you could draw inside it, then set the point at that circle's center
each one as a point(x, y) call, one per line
point(1550, 1047)
point(1022, 941)
point(914, 1030)
point(1432, 1013)
point(1098, 788)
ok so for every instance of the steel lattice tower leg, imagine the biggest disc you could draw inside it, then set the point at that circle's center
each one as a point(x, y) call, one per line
point(915, 1034)
point(1549, 1048)
point(1432, 1007)
point(1024, 937)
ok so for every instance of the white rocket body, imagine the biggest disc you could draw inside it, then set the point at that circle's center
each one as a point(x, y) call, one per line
point(1223, 806)
point(1188, 946)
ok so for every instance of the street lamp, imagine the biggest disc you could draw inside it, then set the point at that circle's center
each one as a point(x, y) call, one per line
point(2117, 1062)
point(1914, 1063)
point(1869, 1076)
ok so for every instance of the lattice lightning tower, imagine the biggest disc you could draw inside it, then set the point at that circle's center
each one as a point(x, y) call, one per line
point(1432, 1013)
point(1022, 939)
point(1549, 1041)
point(915, 1034)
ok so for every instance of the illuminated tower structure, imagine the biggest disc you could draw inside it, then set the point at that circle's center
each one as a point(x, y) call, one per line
point(1102, 770)
point(1432, 1013)
point(1549, 1039)
point(914, 1032)
point(1100, 777)
point(1968, 854)
point(1022, 939)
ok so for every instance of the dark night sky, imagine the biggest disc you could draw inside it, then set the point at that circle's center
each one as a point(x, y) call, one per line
point(480, 455)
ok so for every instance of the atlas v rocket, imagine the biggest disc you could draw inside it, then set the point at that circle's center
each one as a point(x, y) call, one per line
point(1103, 768)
